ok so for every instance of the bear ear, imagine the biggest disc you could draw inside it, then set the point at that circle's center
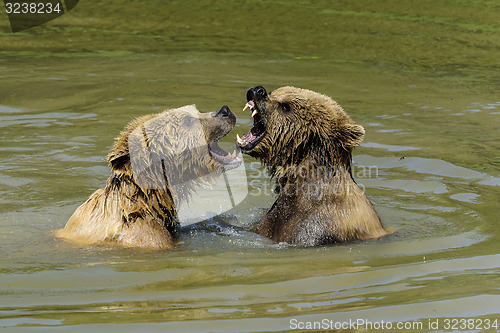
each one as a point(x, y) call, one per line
point(352, 135)
point(119, 161)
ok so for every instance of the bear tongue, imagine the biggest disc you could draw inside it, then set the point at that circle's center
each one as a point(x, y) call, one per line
point(248, 137)
point(250, 105)
point(245, 139)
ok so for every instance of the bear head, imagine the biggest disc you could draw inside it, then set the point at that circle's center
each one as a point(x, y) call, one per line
point(174, 150)
point(293, 125)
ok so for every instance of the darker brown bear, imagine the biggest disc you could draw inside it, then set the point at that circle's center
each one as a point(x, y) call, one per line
point(305, 139)
point(156, 162)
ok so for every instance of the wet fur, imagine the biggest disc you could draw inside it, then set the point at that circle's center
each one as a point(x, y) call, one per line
point(308, 149)
point(140, 212)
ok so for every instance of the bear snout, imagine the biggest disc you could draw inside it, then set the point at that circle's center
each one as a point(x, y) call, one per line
point(259, 92)
point(224, 115)
point(224, 112)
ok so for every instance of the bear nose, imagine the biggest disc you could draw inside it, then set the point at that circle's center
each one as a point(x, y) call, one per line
point(259, 90)
point(223, 112)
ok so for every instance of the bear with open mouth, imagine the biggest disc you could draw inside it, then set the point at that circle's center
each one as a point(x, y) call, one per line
point(305, 140)
point(155, 163)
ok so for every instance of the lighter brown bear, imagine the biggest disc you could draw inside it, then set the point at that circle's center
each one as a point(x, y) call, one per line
point(305, 140)
point(155, 163)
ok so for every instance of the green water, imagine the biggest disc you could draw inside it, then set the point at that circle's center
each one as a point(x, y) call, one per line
point(422, 77)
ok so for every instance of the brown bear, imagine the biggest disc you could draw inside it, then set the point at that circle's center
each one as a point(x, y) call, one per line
point(305, 140)
point(155, 163)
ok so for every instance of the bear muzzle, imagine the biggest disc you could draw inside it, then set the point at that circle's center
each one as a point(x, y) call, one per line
point(255, 96)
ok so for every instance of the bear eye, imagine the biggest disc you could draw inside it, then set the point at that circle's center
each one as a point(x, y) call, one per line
point(188, 121)
point(286, 107)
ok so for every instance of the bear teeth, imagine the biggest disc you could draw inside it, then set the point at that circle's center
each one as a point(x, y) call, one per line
point(240, 140)
point(248, 106)
point(232, 155)
point(254, 113)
